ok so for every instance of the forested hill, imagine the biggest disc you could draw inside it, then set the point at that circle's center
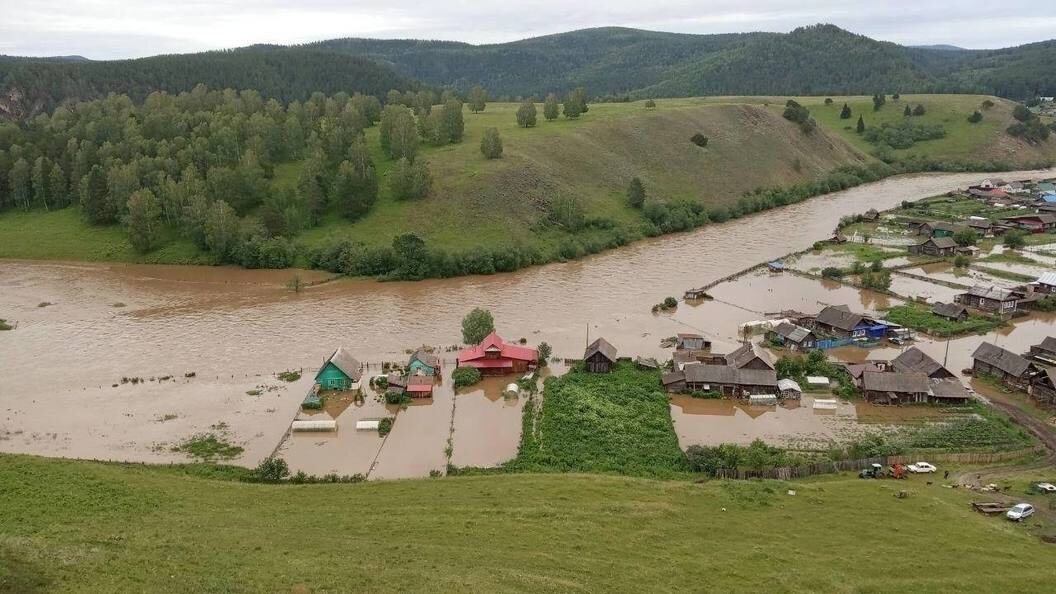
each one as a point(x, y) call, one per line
point(820, 59)
point(815, 60)
point(29, 86)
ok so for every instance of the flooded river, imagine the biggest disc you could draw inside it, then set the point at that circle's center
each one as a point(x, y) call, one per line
point(235, 329)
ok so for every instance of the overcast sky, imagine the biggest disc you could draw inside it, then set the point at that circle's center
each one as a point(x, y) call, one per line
point(102, 29)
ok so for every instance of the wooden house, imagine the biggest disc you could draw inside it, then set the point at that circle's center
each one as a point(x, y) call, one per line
point(992, 299)
point(982, 227)
point(692, 342)
point(340, 371)
point(423, 363)
point(914, 360)
point(647, 363)
point(1043, 387)
point(792, 337)
point(1046, 283)
point(841, 322)
point(935, 246)
point(855, 370)
point(871, 215)
point(1013, 370)
point(937, 229)
point(600, 356)
point(1033, 223)
point(747, 356)
point(950, 311)
point(1045, 351)
point(729, 381)
point(895, 387)
point(494, 356)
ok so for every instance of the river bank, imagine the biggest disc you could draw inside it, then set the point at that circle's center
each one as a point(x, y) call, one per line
point(235, 329)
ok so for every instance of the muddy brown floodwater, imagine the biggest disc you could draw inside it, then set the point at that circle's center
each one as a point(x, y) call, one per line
point(236, 328)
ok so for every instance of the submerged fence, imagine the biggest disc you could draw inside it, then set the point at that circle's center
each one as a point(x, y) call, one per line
point(836, 466)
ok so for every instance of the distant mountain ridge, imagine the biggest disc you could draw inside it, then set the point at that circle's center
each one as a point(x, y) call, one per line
point(609, 61)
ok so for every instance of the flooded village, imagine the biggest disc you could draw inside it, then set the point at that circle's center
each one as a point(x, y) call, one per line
point(358, 378)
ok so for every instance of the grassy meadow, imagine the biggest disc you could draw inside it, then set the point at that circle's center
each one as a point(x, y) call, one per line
point(477, 202)
point(71, 526)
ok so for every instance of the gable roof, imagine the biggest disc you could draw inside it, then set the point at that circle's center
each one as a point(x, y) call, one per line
point(601, 346)
point(425, 357)
point(904, 383)
point(745, 354)
point(700, 373)
point(1049, 344)
point(915, 360)
point(940, 242)
point(345, 363)
point(948, 310)
point(788, 384)
point(995, 293)
point(790, 331)
point(949, 388)
point(943, 225)
point(839, 316)
point(493, 342)
point(1049, 278)
point(980, 223)
point(1006, 361)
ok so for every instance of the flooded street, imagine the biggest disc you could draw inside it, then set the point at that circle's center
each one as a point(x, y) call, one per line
point(235, 329)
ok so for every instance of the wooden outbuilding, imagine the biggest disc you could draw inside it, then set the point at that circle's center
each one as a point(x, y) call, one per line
point(895, 387)
point(1013, 370)
point(950, 311)
point(599, 357)
point(935, 246)
point(914, 360)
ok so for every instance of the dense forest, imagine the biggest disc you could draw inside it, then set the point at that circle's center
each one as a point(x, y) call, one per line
point(612, 62)
point(32, 86)
point(197, 165)
point(815, 60)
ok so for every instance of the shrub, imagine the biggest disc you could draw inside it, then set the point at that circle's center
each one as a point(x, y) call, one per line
point(491, 143)
point(1014, 239)
point(271, 470)
point(465, 376)
point(976, 117)
point(544, 353)
point(699, 140)
point(832, 272)
point(384, 426)
point(794, 112)
point(965, 237)
point(397, 396)
point(650, 104)
point(961, 260)
point(289, 376)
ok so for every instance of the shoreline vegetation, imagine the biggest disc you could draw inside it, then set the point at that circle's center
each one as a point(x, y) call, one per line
point(337, 183)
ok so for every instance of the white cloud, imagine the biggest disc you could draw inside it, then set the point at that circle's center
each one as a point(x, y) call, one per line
point(131, 28)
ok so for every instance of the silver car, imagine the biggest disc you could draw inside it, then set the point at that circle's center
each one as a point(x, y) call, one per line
point(1020, 511)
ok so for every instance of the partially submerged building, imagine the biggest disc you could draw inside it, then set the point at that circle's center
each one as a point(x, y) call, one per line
point(991, 299)
point(423, 363)
point(1045, 351)
point(792, 337)
point(940, 246)
point(340, 371)
point(950, 311)
point(494, 356)
point(914, 360)
point(840, 322)
point(691, 342)
point(895, 387)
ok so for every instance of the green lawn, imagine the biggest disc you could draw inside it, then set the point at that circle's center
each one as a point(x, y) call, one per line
point(71, 526)
point(920, 318)
point(603, 422)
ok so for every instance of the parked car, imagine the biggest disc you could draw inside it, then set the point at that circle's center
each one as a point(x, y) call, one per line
point(1045, 487)
point(1020, 511)
point(922, 467)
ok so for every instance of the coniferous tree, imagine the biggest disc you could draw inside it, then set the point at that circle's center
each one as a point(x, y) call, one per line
point(845, 113)
point(526, 114)
point(861, 125)
point(636, 193)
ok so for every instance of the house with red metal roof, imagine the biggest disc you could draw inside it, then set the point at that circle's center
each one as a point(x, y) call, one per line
point(494, 356)
point(419, 386)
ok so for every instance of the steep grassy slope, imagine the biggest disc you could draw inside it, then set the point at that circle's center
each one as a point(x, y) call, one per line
point(86, 527)
point(476, 201)
point(480, 203)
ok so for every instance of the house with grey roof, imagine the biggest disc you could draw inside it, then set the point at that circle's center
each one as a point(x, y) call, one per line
point(914, 360)
point(1013, 370)
point(992, 299)
point(600, 356)
point(792, 337)
point(895, 388)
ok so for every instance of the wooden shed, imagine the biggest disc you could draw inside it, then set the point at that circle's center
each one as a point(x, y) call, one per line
point(600, 356)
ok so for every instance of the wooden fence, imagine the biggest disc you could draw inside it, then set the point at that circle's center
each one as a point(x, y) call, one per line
point(832, 467)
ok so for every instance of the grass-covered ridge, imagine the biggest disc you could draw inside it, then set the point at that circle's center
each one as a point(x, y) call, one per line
point(91, 527)
point(517, 204)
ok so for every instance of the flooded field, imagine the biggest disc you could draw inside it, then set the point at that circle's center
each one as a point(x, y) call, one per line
point(235, 329)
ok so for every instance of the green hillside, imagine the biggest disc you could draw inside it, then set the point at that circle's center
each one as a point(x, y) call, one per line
point(559, 190)
point(73, 526)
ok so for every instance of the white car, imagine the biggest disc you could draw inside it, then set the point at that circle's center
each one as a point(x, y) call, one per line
point(1020, 511)
point(1046, 487)
point(921, 467)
